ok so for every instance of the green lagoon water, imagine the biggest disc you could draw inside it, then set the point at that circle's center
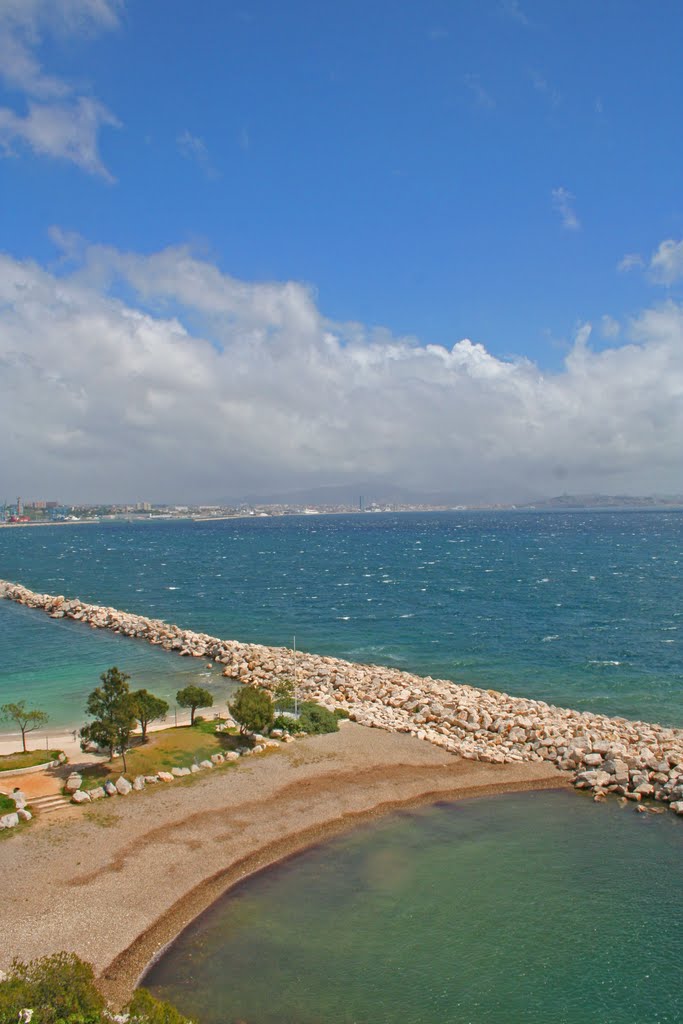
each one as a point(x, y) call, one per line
point(524, 909)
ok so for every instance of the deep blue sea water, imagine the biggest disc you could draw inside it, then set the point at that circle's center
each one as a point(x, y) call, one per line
point(583, 609)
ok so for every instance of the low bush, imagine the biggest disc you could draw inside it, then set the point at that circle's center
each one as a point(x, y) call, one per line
point(313, 719)
point(61, 989)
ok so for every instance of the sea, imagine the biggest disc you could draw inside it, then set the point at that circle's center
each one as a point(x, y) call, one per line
point(513, 910)
point(582, 609)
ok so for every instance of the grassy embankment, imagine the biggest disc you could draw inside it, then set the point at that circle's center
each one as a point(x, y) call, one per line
point(180, 746)
point(29, 759)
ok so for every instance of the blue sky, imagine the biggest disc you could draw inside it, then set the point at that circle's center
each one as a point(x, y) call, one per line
point(496, 171)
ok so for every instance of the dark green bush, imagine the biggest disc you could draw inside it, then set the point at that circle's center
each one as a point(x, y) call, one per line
point(313, 719)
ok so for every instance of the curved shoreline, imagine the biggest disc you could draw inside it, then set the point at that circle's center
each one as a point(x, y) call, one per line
point(128, 969)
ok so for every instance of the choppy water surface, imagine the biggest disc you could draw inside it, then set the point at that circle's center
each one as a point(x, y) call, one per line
point(485, 912)
point(582, 609)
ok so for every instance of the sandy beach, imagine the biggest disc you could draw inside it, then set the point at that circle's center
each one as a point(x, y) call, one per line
point(116, 882)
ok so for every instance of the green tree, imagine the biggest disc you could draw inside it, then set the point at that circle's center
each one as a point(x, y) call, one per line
point(283, 692)
point(112, 709)
point(147, 708)
point(253, 709)
point(194, 697)
point(27, 719)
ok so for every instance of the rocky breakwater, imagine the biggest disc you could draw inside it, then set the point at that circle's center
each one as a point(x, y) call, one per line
point(634, 760)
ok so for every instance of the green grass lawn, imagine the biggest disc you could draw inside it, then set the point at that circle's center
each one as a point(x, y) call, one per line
point(13, 762)
point(180, 747)
point(6, 805)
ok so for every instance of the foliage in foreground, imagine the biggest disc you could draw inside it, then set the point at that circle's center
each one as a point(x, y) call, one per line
point(61, 989)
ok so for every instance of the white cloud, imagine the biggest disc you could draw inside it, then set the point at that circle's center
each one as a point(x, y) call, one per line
point(609, 327)
point(630, 261)
point(57, 122)
point(666, 265)
point(193, 147)
point(101, 398)
point(563, 201)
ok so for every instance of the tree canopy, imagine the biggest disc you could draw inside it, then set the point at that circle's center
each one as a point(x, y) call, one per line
point(194, 697)
point(112, 708)
point(27, 719)
point(148, 708)
point(252, 709)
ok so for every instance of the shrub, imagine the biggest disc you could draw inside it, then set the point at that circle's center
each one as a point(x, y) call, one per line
point(313, 719)
point(252, 709)
point(59, 988)
point(145, 1009)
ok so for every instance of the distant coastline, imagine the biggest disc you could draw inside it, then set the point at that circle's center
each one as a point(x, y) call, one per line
point(563, 504)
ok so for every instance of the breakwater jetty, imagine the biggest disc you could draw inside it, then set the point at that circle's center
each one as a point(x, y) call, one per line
point(634, 760)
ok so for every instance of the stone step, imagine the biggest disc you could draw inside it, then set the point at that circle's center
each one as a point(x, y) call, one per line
point(47, 804)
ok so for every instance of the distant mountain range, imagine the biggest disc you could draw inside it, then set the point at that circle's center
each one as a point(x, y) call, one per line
point(351, 495)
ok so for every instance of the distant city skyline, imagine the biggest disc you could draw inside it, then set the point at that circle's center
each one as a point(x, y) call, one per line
point(251, 250)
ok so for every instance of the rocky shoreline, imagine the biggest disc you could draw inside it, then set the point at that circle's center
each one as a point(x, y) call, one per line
point(631, 759)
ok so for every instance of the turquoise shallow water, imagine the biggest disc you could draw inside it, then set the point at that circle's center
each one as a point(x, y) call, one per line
point(523, 909)
point(582, 609)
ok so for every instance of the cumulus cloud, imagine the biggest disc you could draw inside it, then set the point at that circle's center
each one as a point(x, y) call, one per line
point(200, 385)
point(563, 201)
point(666, 265)
point(57, 122)
point(609, 327)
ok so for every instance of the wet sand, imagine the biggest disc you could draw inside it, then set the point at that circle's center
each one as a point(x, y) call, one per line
point(116, 882)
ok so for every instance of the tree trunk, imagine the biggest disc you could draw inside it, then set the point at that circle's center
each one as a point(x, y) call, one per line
point(123, 758)
point(192, 711)
point(23, 738)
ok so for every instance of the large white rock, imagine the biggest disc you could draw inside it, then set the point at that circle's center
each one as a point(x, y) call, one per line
point(217, 758)
point(109, 788)
point(205, 764)
point(123, 786)
point(10, 820)
point(165, 776)
point(97, 793)
point(81, 796)
point(179, 772)
point(24, 815)
point(74, 782)
point(139, 783)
